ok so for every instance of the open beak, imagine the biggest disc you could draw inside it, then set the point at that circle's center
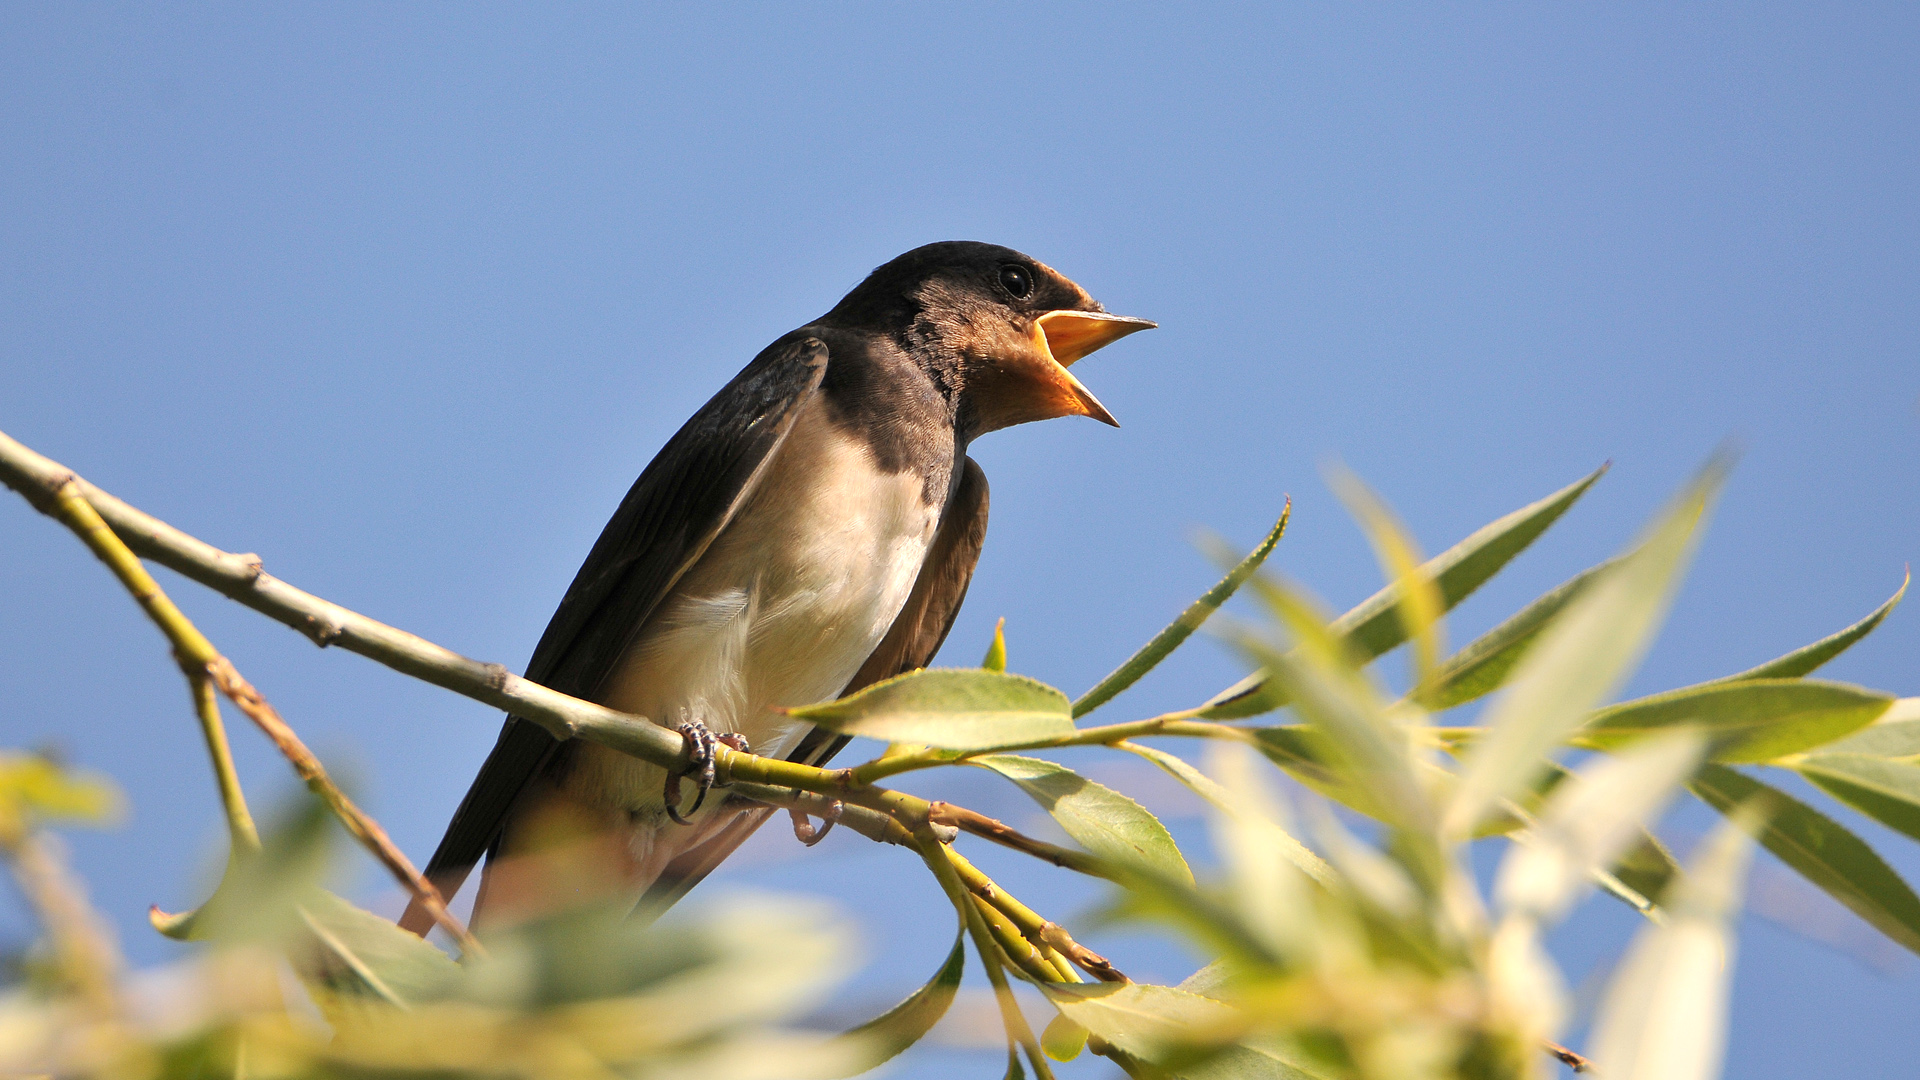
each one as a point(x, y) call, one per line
point(1069, 335)
point(1073, 334)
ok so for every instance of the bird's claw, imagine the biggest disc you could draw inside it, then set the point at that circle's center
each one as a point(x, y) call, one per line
point(700, 766)
point(803, 829)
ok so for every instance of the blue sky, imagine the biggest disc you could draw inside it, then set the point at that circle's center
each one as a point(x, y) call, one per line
point(402, 299)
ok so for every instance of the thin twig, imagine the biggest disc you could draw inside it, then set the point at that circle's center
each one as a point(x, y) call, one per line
point(203, 664)
point(206, 701)
point(357, 822)
point(191, 649)
point(777, 782)
point(1032, 927)
point(938, 858)
point(241, 578)
point(945, 813)
point(1023, 953)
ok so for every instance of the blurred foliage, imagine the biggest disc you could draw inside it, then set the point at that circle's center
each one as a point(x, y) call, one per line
point(1349, 943)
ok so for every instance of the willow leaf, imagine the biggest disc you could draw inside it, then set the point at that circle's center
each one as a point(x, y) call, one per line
point(1223, 800)
point(884, 1037)
point(1484, 664)
point(996, 658)
point(1157, 1024)
point(1895, 734)
point(1665, 1011)
point(1580, 659)
point(1374, 626)
point(1420, 607)
point(354, 950)
point(950, 709)
point(1105, 822)
point(1804, 660)
point(1821, 850)
point(1888, 791)
point(1749, 722)
point(1180, 629)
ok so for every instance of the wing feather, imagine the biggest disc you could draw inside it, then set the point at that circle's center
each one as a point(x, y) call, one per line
point(683, 499)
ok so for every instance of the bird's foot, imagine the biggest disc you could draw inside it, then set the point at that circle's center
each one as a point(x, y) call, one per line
point(700, 766)
point(803, 829)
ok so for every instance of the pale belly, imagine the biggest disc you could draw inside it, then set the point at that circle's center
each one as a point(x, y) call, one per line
point(781, 610)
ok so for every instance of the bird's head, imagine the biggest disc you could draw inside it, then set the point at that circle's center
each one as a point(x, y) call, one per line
point(995, 329)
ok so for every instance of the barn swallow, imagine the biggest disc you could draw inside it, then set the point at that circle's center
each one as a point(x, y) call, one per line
point(810, 531)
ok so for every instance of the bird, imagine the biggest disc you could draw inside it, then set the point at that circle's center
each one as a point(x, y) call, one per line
point(810, 531)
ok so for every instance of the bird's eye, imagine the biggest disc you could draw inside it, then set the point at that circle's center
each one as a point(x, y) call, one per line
point(1017, 281)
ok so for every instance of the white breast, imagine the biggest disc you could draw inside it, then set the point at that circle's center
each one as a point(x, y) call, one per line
point(782, 609)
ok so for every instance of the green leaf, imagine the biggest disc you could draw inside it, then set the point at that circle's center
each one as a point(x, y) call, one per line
point(259, 895)
point(1590, 819)
point(1155, 1023)
point(1665, 1012)
point(356, 951)
point(1202, 914)
point(1803, 660)
point(1821, 850)
point(1484, 665)
point(36, 787)
point(996, 658)
point(1647, 868)
point(1250, 1059)
point(1180, 629)
point(1321, 679)
point(1374, 626)
point(884, 1037)
point(1102, 820)
point(1420, 607)
point(1749, 722)
point(1885, 790)
point(1895, 734)
point(1063, 1039)
point(1223, 800)
point(1303, 753)
point(1138, 1018)
point(950, 709)
point(1580, 659)
point(1271, 897)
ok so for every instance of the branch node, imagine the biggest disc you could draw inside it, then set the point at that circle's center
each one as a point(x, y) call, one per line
point(322, 631)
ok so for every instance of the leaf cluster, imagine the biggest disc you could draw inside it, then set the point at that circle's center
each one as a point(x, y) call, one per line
point(1346, 943)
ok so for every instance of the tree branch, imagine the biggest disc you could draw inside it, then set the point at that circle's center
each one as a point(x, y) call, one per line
point(959, 817)
point(878, 813)
point(242, 578)
point(203, 664)
point(1035, 929)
